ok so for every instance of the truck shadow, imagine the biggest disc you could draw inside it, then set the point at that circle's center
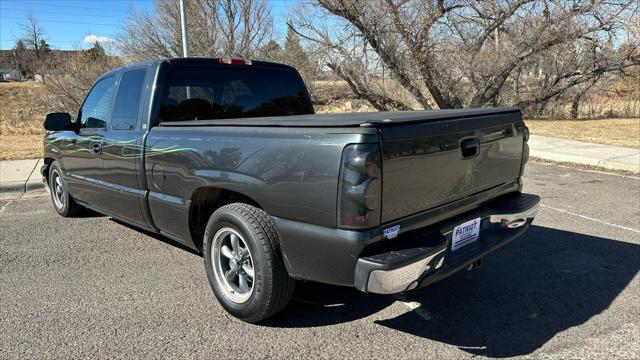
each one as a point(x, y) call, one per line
point(542, 284)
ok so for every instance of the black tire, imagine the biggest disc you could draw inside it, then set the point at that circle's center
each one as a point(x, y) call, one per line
point(63, 203)
point(271, 285)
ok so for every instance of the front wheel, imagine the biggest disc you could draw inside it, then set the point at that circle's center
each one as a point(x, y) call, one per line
point(244, 264)
point(63, 203)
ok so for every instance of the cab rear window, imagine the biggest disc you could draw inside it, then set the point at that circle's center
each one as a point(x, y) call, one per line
point(223, 92)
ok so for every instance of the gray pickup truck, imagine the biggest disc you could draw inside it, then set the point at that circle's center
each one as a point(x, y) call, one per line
point(226, 156)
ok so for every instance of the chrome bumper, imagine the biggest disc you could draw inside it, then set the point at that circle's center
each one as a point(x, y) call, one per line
point(393, 272)
point(404, 278)
point(516, 220)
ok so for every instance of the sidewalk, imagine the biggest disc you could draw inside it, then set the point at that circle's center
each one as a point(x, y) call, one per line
point(18, 177)
point(605, 156)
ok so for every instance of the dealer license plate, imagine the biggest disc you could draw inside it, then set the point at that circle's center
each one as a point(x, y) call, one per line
point(465, 234)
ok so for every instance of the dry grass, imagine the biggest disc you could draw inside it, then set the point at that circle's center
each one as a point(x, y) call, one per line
point(620, 132)
point(16, 147)
point(23, 107)
point(13, 85)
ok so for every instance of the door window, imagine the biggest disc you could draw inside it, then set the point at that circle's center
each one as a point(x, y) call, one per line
point(127, 105)
point(95, 110)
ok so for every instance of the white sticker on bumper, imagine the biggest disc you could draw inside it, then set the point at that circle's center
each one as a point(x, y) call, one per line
point(465, 233)
point(392, 232)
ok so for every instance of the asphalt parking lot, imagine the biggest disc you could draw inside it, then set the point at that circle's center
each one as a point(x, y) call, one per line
point(92, 287)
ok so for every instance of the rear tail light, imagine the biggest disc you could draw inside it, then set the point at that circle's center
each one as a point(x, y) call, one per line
point(234, 61)
point(360, 187)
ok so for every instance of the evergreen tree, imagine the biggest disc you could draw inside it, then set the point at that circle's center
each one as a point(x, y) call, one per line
point(20, 46)
point(271, 52)
point(96, 52)
point(23, 59)
point(44, 49)
point(294, 54)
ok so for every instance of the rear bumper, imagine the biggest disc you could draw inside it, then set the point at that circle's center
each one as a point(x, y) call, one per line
point(419, 255)
point(411, 268)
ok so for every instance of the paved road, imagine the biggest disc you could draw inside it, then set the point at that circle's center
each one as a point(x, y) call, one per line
point(91, 287)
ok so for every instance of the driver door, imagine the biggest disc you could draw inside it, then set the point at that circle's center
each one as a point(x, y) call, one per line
point(122, 150)
point(82, 161)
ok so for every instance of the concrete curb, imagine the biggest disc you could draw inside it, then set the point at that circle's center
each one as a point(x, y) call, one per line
point(615, 163)
point(12, 186)
point(33, 186)
point(17, 190)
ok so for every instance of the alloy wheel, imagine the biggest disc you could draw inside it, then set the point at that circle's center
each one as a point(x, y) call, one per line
point(57, 189)
point(233, 265)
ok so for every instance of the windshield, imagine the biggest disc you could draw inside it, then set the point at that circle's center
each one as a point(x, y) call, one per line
point(223, 92)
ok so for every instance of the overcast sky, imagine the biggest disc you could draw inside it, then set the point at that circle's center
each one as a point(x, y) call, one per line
point(72, 24)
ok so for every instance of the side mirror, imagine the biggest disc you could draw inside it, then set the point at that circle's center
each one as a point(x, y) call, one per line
point(58, 121)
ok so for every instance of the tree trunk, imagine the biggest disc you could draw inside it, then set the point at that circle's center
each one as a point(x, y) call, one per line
point(575, 104)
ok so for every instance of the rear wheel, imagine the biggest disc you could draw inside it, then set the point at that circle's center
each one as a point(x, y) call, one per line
point(244, 264)
point(63, 203)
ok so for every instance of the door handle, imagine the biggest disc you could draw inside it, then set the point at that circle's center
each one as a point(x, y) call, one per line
point(96, 147)
point(470, 147)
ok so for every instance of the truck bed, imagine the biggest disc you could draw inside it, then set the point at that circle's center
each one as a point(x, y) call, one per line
point(376, 119)
point(423, 164)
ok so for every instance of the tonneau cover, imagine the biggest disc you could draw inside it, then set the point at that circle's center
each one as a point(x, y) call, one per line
point(375, 119)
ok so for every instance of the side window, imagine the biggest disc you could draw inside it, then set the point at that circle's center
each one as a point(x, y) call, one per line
point(127, 105)
point(95, 109)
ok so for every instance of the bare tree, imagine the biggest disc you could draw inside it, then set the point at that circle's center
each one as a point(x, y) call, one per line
point(73, 78)
point(33, 36)
point(216, 27)
point(31, 51)
point(459, 53)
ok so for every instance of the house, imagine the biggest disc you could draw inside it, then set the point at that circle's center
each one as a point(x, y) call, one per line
point(10, 69)
point(10, 74)
point(8, 66)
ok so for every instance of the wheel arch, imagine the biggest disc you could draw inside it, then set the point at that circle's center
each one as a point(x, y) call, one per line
point(45, 171)
point(204, 201)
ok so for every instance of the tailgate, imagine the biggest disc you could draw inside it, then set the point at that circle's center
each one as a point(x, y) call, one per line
point(425, 165)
